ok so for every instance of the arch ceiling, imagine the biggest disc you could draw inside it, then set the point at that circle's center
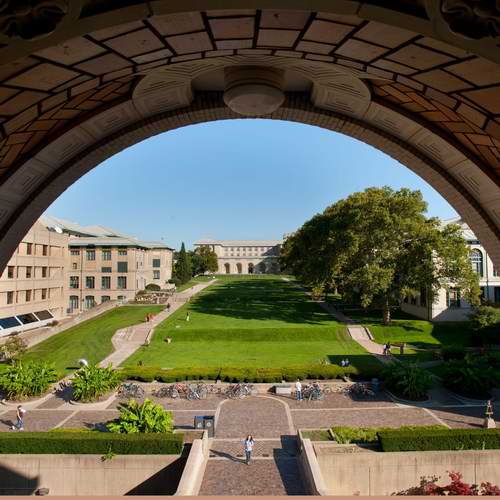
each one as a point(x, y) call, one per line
point(80, 80)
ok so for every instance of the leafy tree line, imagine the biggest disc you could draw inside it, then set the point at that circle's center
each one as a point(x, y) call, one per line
point(194, 262)
point(378, 247)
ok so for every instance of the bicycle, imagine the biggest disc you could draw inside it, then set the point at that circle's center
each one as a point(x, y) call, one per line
point(238, 391)
point(168, 391)
point(359, 390)
point(313, 392)
point(196, 391)
point(130, 391)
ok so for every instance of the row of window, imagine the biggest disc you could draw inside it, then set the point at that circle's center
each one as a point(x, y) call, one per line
point(121, 282)
point(90, 254)
point(35, 249)
point(121, 267)
point(14, 297)
point(28, 272)
point(89, 301)
point(24, 319)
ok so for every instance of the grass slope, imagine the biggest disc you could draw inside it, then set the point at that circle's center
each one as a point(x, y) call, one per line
point(251, 321)
point(90, 340)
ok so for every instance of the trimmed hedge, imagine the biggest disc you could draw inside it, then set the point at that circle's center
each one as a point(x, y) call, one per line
point(345, 435)
point(268, 375)
point(83, 443)
point(449, 439)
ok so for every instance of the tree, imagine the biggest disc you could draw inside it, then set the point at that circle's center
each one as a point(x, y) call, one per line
point(182, 268)
point(378, 247)
point(204, 260)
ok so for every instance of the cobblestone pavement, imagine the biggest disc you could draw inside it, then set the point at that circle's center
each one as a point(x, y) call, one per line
point(338, 400)
point(464, 416)
point(263, 417)
point(264, 476)
point(36, 420)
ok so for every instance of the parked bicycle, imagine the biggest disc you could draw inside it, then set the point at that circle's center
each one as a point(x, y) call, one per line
point(238, 391)
point(130, 390)
point(197, 391)
point(313, 392)
point(166, 391)
point(359, 390)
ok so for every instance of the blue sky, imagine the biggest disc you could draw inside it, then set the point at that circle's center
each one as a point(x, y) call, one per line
point(233, 179)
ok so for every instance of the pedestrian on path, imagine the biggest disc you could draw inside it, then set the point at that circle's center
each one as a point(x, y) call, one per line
point(20, 413)
point(168, 306)
point(249, 443)
point(187, 316)
point(298, 390)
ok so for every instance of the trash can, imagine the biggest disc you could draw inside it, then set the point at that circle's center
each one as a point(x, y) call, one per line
point(375, 384)
point(209, 422)
point(198, 422)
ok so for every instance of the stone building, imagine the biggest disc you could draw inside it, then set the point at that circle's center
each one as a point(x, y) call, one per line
point(245, 256)
point(449, 305)
point(32, 286)
point(104, 264)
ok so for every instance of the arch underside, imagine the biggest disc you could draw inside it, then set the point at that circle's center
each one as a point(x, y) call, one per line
point(433, 106)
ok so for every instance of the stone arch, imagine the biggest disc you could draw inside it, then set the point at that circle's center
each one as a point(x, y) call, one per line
point(412, 88)
point(239, 268)
point(227, 268)
point(250, 268)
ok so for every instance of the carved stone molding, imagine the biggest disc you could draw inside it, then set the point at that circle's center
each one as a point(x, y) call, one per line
point(31, 19)
point(472, 19)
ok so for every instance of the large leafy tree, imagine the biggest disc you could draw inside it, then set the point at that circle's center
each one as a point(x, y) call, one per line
point(182, 270)
point(380, 247)
point(203, 260)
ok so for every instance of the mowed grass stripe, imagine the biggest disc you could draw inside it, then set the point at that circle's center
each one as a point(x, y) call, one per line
point(250, 322)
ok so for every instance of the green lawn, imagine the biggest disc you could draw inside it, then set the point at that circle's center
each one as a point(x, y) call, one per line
point(192, 282)
point(417, 332)
point(251, 321)
point(90, 340)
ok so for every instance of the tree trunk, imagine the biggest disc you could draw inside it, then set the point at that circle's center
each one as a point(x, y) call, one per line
point(387, 312)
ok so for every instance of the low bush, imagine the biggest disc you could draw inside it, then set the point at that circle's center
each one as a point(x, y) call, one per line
point(25, 379)
point(439, 439)
point(485, 316)
point(147, 417)
point(91, 382)
point(407, 380)
point(346, 435)
point(255, 375)
point(453, 352)
point(472, 377)
point(13, 348)
point(86, 443)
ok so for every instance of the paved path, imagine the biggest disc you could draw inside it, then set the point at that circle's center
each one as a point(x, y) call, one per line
point(126, 341)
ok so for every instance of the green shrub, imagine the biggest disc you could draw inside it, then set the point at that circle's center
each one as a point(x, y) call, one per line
point(346, 435)
point(472, 377)
point(407, 380)
point(85, 443)
point(13, 348)
point(485, 316)
point(453, 352)
point(25, 379)
point(147, 417)
point(449, 439)
point(91, 382)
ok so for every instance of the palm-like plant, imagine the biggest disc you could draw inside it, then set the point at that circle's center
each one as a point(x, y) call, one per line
point(25, 379)
point(407, 380)
point(147, 417)
point(91, 382)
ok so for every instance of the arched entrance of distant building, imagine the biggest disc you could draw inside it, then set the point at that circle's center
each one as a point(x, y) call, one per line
point(250, 268)
point(423, 88)
point(227, 268)
point(239, 268)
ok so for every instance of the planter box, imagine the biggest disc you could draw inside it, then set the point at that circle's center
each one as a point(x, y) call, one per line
point(283, 389)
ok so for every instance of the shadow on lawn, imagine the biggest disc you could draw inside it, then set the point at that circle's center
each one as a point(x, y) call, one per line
point(367, 364)
point(270, 299)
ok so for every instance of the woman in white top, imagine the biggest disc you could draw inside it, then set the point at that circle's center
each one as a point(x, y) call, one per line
point(249, 442)
point(19, 425)
point(298, 390)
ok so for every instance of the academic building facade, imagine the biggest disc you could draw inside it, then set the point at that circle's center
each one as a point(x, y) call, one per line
point(245, 256)
point(449, 305)
point(61, 268)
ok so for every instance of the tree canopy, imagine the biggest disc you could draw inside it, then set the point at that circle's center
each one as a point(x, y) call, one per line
point(182, 268)
point(379, 247)
point(203, 260)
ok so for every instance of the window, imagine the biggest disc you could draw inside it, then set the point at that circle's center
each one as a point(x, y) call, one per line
point(453, 298)
point(75, 265)
point(121, 253)
point(106, 282)
point(44, 272)
point(495, 272)
point(122, 282)
point(73, 302)
point(122, 267)
point(25, 319)
point(476, 259)
point(89, 282)
point(29, 248)
point(105, 298)
point(74, 282)
point(10, 297)
point(121, 297)
point(10, 322)
point(28, 295)
point(156, 275)
point(45, 250)
point(90, 254)
point(10, 272)
point(89, 301)
point(29, 270)
point(44, 293)
point(156, 262)
point(413, 301)
point(43, 315)
point(74, 252)
point(106, 255)
point(105, 269)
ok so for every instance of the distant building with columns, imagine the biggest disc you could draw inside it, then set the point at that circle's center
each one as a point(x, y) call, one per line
point(245, 256)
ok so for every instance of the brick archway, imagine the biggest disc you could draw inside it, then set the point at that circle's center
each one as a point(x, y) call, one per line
point(411, 87)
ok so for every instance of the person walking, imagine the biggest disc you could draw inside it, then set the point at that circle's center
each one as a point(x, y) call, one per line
point(20, 413)
point(249, 443)
point(187, 316)
point(298, 390)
